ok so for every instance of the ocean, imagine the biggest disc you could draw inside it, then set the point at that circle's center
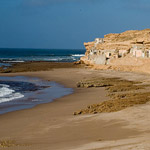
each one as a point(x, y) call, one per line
point(24, 92)
point(53, 55)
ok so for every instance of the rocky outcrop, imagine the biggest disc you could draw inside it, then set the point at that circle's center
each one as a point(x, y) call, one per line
point(133, 43)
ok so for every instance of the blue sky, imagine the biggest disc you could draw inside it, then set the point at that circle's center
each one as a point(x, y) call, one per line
point(67, 23)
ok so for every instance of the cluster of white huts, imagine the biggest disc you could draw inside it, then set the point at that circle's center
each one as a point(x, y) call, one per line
point(104, 56)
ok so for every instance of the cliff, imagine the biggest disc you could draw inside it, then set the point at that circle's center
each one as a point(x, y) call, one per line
point(117, 49)
point(123, 40)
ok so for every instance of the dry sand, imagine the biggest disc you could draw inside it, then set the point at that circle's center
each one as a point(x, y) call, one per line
point(53, 126)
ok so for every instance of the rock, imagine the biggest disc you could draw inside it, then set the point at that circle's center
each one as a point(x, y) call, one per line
point(78, 112)
point(120, 44)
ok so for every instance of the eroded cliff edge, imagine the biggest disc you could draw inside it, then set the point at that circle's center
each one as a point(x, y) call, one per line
point(127, 51)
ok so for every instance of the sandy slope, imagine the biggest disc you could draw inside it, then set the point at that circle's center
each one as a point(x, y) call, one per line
point(53, 127)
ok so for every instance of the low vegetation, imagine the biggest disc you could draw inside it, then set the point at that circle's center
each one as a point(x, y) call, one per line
point(37, 66)
point(7, 143)
point(122, 93)
point(10, 143)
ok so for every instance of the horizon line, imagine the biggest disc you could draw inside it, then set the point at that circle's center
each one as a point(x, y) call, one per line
point(46, 48)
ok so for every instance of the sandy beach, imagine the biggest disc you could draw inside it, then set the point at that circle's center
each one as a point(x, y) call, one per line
point(53, 126)
point(74, 75)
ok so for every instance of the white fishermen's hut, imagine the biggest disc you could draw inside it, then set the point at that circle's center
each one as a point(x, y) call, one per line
point(102, 56)
point(148, 53)
point(138, 51)
point(99, 41)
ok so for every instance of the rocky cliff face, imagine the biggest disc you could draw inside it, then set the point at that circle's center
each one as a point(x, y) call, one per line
point(117, 45)
point(123, 40)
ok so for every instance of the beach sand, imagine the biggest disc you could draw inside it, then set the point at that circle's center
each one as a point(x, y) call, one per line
point(53, 126)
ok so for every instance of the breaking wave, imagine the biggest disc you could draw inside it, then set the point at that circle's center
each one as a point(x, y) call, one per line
point(78, 55)
point(8, 94)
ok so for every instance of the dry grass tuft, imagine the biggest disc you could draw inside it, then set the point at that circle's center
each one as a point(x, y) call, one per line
point(123, 94)
point(7, 143)
point(10, 143)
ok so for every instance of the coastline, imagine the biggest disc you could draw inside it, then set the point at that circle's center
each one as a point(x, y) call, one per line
point(53, 126)
point(22, 92)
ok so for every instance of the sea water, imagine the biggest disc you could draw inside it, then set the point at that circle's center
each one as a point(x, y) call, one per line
point(53, 55)
point(25, 92)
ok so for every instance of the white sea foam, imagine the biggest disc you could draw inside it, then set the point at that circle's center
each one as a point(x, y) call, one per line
point(13, 61)
point(12, 97)
point(53, 59)
point(4, 90)
point(78, 55)
point(7, 94)
point(4, 85)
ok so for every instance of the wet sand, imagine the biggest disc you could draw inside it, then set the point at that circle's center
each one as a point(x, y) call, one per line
point(53, 126)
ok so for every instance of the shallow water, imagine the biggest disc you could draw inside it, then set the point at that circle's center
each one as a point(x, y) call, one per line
point(26, 92)
point(5, 64)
